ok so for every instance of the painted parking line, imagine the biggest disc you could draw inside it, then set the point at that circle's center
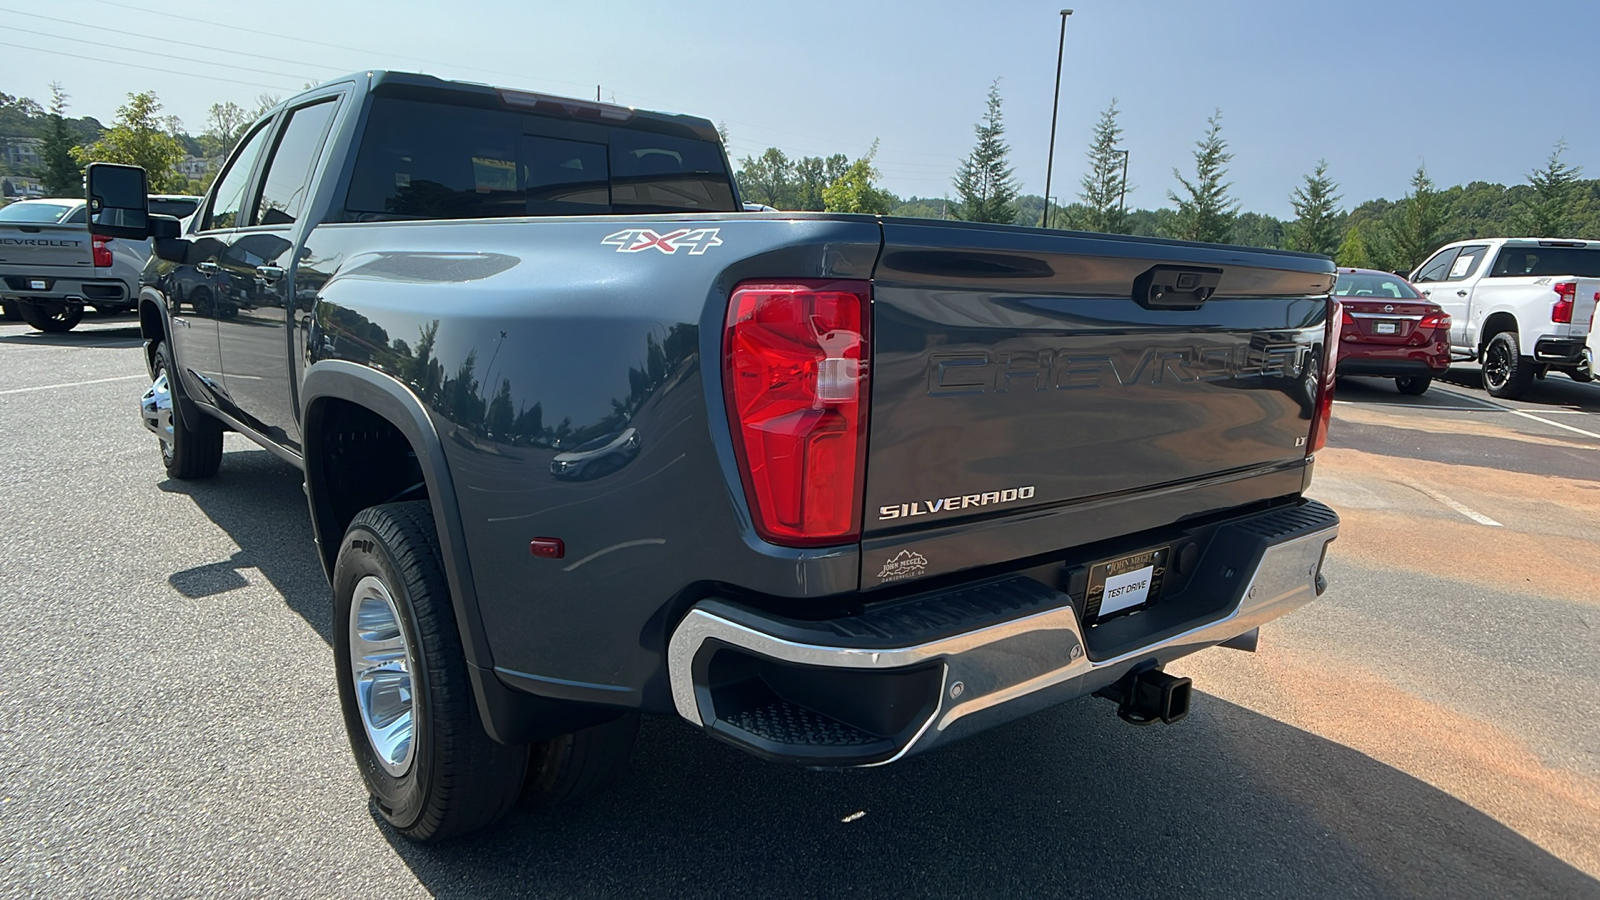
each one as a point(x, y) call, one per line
point(67, 384)
point(1553, 424)
point(1526, 415)
point(1461, 508)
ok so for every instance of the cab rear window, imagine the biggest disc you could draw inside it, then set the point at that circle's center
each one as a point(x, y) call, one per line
point(425, 160)
point(37, 212)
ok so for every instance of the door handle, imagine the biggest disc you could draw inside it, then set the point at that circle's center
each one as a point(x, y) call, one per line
point(1461, 293)
point(1428, 292)
point(269, 274)
point(208, 268)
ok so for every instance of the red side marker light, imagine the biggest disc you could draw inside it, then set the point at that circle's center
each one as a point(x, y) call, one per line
point(547, 548)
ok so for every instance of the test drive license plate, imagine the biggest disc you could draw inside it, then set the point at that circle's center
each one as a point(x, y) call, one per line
point(1125, 584)
point(1388, 327)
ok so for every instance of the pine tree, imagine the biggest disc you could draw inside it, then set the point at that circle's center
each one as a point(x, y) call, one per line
point(1207, 213)
point(1315, 228)
point(59, 173)
point(986, 187)
point(1353, 249)
point(1556, 200)
point(1415, 232)
point(1104, 186)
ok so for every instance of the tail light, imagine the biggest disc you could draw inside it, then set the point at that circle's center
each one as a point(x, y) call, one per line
point(795, 379)
point(1566, 298)
point(102, 250)
point(1435, 321)
point(1323, 405)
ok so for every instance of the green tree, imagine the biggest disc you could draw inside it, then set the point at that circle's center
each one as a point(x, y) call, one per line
point(986, 186)
point(1553, 205)
point(59, 173)
point(812, 174)
point(1352, 250)
point(854, 192)
point(140, 138)
point(1416, 228)
point(1207, 212)
point(1105, 184)
point(1315, 228)
point(225, 124)
point(767, 179)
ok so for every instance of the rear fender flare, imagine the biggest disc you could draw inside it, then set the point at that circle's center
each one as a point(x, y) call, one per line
point(388, 398)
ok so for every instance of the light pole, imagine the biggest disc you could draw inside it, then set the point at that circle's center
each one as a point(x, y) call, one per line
point(1122, 199)
point(1055, 104)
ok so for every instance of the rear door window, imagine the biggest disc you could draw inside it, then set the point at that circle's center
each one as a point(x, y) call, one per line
point(420, 159)
point(288, 178)
point(1523, 261)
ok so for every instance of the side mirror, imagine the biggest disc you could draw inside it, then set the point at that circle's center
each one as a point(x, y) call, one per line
point(119, 201)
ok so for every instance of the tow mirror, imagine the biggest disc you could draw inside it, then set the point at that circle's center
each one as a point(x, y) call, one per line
point(119, 202)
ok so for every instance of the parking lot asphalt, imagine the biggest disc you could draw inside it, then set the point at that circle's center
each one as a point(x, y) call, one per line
point(168, 722)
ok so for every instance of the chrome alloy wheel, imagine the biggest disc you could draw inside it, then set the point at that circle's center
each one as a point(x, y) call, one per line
point(380, 661)
point(155, 410)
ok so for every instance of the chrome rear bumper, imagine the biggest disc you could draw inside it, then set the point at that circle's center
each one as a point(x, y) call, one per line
point(805, 692)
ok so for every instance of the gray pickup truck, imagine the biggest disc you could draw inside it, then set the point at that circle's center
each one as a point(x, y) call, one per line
point(51, 267)
point(584, 440)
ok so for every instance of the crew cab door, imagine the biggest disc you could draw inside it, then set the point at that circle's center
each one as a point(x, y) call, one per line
point(1454, 295)
point(199, 292)
point(259, 261)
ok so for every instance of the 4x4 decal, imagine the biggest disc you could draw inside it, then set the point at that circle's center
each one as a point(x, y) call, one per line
point(637, 240)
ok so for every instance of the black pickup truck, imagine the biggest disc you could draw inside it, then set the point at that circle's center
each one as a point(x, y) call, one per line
point(584, 440)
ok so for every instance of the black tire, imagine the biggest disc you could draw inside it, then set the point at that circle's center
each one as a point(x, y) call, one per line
point(457, 778)
point(53, 318)
point(1507, 374)
point(8, 311)
point(1415, 385)
point(196, 448)
point(569, 768)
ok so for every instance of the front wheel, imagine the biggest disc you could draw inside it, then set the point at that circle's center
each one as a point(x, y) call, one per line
point(1415, 385)
point(1507, 374)
point(51, 317)
point(189, 450)
point(413, 723)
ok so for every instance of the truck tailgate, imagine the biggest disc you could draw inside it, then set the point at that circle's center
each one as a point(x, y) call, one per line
point(1013, 373)
point(44, 249)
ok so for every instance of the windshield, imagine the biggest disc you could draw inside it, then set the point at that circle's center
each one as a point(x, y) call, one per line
point(1366, 284)
point(38, 212)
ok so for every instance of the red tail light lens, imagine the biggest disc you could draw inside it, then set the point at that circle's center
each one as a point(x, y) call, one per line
point(102, 250)
point(1437, 321)
point(1330, 363)
point(796, 383)
point(1566, 298)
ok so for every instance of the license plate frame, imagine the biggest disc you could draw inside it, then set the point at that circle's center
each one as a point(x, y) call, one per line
point(1386, 328)
point(1123, 573)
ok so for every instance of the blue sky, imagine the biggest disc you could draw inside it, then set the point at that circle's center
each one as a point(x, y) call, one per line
point(1477, 90)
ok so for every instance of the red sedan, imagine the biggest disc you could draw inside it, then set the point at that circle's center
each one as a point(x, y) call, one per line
point(1390, 330)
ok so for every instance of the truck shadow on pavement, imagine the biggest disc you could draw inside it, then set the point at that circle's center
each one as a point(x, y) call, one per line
point(258, 501)
point(1069, 802)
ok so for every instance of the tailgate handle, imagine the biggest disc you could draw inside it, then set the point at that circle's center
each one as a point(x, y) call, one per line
point(1175, 287)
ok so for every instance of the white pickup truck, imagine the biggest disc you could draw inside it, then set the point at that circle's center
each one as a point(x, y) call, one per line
point(1520, 306)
